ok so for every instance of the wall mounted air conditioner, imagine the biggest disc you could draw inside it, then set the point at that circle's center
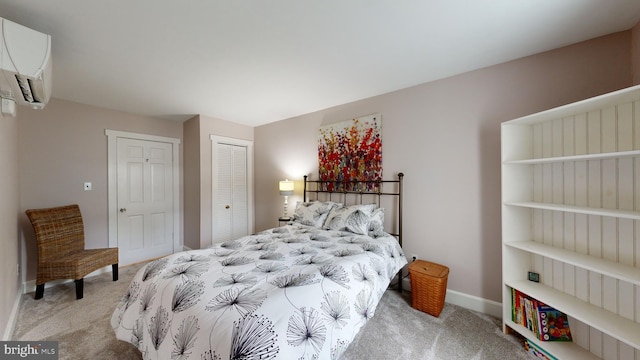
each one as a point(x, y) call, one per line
point(25, 65)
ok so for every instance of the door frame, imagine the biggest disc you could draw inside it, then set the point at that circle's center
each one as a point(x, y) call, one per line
point(215, 140)
point(112, 173)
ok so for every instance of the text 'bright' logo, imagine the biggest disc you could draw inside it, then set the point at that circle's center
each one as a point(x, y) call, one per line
point(32, 350)
point(23, 351)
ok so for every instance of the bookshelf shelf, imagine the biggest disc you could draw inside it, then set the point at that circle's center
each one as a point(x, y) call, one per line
point(633, 215)
point(561, 350)
point(618, 327)
point(605, 267)
point(612, 155)
point(570, 212)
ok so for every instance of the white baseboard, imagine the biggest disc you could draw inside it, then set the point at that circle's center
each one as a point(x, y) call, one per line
point(475, 303)
point(13, 318)
point(30, 286)
point(467, 301)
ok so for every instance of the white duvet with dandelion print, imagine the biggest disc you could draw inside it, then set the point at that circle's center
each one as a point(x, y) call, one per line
point(293, 292)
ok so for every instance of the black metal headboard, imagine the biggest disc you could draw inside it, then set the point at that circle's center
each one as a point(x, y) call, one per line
point(383, 188)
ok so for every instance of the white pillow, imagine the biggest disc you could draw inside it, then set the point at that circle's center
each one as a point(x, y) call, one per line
point(376, 223)
point(312, 213)
point(354, 218)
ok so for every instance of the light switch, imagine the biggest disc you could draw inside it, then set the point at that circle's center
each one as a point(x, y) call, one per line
point(87, 186)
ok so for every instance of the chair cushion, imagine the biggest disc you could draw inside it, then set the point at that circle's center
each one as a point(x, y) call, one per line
point(76, 265)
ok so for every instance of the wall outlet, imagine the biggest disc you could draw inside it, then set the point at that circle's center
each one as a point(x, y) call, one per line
point(414, 257)
point(87, 186)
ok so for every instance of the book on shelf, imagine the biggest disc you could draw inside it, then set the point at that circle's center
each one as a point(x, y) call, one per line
point(545, 322)
point(554, 324)
point(537, 351)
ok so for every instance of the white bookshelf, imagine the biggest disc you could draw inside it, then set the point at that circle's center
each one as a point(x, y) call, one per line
point(571, 213)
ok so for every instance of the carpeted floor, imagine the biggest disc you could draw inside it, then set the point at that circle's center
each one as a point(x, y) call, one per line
point(397, 331)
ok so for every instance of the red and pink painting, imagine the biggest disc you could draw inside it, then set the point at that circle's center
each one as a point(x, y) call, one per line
point(351, 151)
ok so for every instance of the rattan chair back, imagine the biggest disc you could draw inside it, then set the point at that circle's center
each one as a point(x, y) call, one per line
point(59, 231)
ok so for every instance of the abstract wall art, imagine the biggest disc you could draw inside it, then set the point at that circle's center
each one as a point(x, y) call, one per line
point(351, 151)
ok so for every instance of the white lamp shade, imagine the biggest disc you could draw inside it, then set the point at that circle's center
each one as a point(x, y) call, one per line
point(286, 187)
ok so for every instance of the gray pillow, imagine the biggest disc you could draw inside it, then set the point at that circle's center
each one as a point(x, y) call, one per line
point(376, 223)
point(354, 218)
point(312, 213)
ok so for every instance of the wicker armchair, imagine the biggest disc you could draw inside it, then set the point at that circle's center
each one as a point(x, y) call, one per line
point(61, 253)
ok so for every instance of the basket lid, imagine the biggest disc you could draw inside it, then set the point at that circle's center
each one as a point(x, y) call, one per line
point(429, 268)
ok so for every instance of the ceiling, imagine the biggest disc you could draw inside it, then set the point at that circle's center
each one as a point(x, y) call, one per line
point(255, 62)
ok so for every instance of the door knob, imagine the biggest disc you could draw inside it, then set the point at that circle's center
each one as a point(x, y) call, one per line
point(227, 207)
point(122, 210)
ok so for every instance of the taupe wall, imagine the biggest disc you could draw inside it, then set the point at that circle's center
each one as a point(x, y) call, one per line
point(198, 131)
point(191, 132)
point(635, 53)
point(445, 136)
point(9, 210)
point(65, 145)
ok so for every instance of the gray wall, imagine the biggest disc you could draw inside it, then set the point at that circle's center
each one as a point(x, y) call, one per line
point(61, 147)
point(445, 136)
point(198, 171)
point(9, 215)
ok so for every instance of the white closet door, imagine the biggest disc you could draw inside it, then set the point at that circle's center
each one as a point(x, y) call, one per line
point(239, 211)
point(222, 213)
point(230, 205)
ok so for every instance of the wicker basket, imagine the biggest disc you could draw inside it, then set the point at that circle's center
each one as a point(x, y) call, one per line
point(428, 286)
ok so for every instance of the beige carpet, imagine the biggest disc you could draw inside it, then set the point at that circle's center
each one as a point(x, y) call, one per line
point(82, 327)
point(397, 331)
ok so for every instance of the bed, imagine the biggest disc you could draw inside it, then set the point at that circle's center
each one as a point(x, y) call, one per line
point(298, 291)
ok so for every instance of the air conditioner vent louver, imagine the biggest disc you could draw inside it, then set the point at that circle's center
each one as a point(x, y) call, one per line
point(25, 87)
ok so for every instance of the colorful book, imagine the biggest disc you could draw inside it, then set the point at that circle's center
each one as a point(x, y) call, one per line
point(537, 351)
point(518, 307)
point(554, 324)
point(545, 322)
point(528, 311)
